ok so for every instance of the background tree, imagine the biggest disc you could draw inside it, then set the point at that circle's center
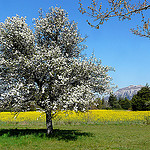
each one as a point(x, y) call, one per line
point(45, 67)
point(124, 103)
point(104, 103)
point(98, 101)
point(122, 9)
point(113, 102)
point(141, 101)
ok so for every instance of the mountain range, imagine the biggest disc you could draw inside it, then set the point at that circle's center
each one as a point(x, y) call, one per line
point(128, 91)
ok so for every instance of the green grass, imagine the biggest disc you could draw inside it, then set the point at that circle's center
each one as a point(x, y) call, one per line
point(32, 136)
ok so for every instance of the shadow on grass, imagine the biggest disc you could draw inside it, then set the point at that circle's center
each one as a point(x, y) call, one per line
point(66, 135)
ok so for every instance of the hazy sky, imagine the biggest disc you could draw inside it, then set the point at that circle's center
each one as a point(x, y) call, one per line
point(113, 43)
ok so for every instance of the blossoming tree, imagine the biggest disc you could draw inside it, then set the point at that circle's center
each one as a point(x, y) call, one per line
point(45, 67)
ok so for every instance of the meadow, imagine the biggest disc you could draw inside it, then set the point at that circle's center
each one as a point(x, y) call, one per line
point(96, 130)
point(71, 117)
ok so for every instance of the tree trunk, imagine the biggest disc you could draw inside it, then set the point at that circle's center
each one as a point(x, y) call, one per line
point(49, 122)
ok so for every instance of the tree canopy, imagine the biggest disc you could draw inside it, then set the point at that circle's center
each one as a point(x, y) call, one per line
point(45, 66)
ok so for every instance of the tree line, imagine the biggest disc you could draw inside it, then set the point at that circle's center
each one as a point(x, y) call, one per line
point(139, 102)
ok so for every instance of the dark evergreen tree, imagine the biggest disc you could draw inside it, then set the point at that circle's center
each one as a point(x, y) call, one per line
point(124, 103)
point(103, 101)
point(113, 102)
point(141, 101)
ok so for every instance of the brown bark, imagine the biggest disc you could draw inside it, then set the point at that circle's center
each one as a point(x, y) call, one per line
point(49, 124)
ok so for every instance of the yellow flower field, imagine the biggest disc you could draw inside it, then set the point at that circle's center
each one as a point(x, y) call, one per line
point(95, 116)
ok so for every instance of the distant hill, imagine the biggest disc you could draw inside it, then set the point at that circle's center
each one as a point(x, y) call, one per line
point(128, 91)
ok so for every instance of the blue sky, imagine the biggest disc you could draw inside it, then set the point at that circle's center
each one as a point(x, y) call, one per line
point(113, 43)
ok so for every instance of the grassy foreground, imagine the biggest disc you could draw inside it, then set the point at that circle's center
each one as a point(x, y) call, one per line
point(25, 136)
point(94, 130)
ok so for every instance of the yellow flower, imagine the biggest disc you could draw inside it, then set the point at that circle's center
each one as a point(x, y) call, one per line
point(95, 116)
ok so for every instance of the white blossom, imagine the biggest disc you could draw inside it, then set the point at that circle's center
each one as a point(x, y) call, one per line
point(46, 67)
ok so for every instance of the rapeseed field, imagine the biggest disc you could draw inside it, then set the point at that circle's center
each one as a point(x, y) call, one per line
point(93, 116)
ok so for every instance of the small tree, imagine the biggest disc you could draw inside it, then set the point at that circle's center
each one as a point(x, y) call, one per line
point(104, 103)
point(46, 68)
point(98, 101)
point(141, 101)
point(124, 103)
point(113, 102)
